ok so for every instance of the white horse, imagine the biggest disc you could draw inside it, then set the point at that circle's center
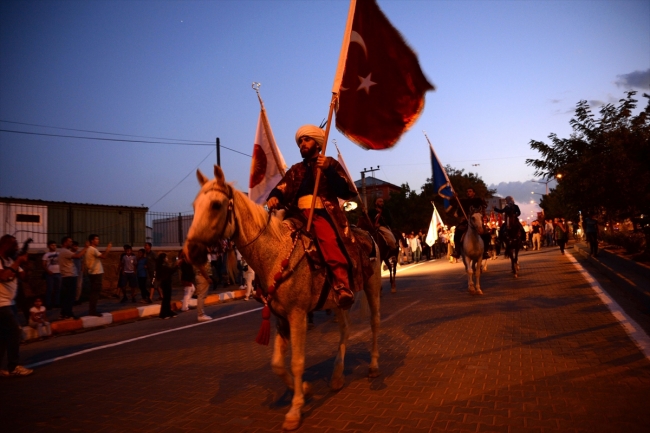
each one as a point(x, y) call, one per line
point(472, 253)
point(265, 242)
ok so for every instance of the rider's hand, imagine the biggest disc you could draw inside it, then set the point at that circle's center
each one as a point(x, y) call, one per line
point(272, 203)
point(322, 162)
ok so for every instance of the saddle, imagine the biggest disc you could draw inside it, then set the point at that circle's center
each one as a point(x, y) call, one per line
point(358, 257)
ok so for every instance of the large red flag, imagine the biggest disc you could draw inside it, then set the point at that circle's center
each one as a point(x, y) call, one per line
point(381, 93)
point(268, 166)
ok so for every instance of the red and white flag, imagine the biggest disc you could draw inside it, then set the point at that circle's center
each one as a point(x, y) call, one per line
point(379, 81)
point(268, 166)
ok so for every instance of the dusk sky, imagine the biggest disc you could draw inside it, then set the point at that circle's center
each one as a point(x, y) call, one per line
point(178, 72)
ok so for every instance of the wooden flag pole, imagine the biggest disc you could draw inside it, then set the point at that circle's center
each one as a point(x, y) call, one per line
point(446, 177)
point(361, 205)
point(267, 129)
point(318, 171)
point(338, 77)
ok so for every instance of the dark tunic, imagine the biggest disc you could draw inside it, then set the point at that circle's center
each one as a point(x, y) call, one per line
point(299, 181)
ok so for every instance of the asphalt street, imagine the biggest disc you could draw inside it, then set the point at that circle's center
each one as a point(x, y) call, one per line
point(541, 353)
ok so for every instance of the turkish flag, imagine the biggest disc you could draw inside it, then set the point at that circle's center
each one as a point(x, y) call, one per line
point(382, 90)
point(268, 166)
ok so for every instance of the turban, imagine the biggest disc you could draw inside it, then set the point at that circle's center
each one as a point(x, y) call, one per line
point(311, 131)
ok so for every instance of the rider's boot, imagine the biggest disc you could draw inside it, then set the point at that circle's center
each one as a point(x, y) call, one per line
point(344, 297)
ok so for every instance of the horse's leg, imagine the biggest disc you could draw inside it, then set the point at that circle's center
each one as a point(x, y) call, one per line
point(372, 295)
point(477, 274)
point(277, 360)
point(470, 273)
point(298, 326)
point(344, 329)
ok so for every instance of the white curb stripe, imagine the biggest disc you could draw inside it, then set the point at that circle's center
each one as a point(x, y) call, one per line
point(119, 343)
point(636, 333)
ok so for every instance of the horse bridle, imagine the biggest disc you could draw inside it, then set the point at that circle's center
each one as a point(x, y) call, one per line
point(231, 217)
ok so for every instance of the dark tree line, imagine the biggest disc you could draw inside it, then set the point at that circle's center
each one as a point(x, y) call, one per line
point(411, 211)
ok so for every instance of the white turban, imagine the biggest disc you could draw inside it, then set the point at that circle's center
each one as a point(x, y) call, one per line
point(312, 131)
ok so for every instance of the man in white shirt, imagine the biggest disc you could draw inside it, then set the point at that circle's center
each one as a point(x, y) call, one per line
point(52, 276)
point(69, 276)
point(10, 332)
point(95, 272)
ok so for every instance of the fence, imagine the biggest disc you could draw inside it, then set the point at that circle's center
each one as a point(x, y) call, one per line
point(117, 224)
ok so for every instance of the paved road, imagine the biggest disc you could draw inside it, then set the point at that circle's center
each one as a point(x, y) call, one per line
point(540, 353)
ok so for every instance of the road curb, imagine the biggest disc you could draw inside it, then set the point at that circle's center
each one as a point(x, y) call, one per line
point(125, 315)
point(638, 292)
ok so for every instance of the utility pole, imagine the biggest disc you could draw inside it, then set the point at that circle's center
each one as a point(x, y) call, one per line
point(218, 153)
point(363, 184)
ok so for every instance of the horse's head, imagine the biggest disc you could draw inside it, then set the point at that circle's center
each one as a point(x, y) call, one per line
point(214, 217)
point(476, 222)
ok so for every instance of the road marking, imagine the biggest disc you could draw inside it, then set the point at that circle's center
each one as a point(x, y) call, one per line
point(632, 328)
point(358, 334)
point(401, 269)
point(119, 343)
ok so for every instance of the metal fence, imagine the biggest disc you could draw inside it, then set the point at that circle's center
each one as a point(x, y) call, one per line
point(120, 225)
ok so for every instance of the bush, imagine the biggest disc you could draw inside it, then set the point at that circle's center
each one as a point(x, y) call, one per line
point(632, 243)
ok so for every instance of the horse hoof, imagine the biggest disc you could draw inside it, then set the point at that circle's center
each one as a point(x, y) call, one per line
point(307, 390)
point(337, 384)
point(393, 290)
point(479, 291)
point(290, 424)
point(373, 372)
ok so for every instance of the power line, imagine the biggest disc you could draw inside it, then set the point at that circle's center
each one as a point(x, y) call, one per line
point(101, 132)
point(181, 181)
point(119, 140)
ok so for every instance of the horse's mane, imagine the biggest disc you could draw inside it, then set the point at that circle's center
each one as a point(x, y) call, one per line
point(258, 214)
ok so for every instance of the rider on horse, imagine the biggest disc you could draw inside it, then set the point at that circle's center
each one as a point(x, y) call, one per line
point(329, 224)
point(471, 205)
point(511, 224)
point(382, 220)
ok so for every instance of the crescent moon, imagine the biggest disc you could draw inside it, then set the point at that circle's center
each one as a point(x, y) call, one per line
point(356, 37)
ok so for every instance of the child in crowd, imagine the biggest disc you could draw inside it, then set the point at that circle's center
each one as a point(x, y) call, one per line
point(249, 276)
point(38, 319)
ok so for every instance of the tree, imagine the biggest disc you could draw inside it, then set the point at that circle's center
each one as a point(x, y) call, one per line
point(604, 163)
point(412, 211)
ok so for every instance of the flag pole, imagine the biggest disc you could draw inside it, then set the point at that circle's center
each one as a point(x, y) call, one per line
point(267, 128)
point(361, 205)
point(338, 78)
point(445, 173)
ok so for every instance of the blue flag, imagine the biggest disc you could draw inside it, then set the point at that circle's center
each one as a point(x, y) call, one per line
point(440, 180)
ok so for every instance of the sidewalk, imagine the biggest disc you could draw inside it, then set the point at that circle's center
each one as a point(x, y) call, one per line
point(113, 311)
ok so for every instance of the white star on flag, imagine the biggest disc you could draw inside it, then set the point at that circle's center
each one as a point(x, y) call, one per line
point(366, 83)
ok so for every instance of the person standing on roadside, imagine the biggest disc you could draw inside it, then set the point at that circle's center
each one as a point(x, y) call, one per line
point(151, 270)
point(69, 276)
point(95, 272)
point(560, 233)
point(10, 332)
point(536, 230)
point(591, 232)
point(548, 231)
point(52, 276)
point(164, 273)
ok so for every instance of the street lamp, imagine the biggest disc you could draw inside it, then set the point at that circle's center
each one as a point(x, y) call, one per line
point(546, 182)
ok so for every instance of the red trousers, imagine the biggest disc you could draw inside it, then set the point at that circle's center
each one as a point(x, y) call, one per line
point(328, 243)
